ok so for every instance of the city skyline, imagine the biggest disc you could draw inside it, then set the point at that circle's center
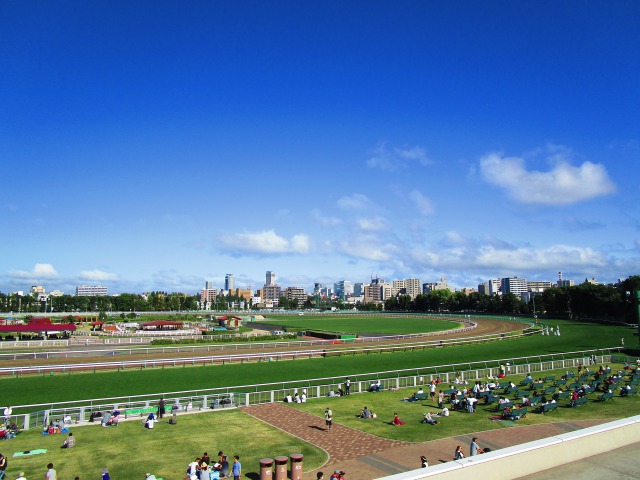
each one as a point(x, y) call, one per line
point(153, 147)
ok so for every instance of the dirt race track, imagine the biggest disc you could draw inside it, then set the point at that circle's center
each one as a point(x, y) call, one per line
point(106, 353)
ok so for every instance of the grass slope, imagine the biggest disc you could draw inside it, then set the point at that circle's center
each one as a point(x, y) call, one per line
point(129, 451)
point(385, 404)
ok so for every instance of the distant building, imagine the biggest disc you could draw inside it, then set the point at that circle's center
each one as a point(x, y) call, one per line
point(91, 291)
point(483, 288)
point(467, 290)
point(56, 293)
point(538, 287)
point(270, 278)
point(494, 287)
point(243, 293)
point(514, 285)
point(208, 294)
point(271, 293)
point(229, 282)
point(38, 290)
point(591, 281)
point(358, 289)
point(441, 285)
point(296, 294)
point(343, 288)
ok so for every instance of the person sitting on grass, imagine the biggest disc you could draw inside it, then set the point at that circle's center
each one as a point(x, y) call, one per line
point(429, 419)
point(70, 442)
point(150, 421)
point(396, 420)
point(365, 413)
point(106, 420)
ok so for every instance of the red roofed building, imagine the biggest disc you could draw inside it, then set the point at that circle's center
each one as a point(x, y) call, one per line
point(38, 325)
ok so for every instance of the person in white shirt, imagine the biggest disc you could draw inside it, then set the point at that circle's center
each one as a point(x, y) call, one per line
point(7, 414)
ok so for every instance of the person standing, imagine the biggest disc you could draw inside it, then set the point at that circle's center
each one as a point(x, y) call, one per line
point(161, 408)
point(3, 465)
point(236, 468)
point(328, 418)
point(105, 474)
point(474, 448)
point(347, 386)
point(51, 473)
point(8, 410)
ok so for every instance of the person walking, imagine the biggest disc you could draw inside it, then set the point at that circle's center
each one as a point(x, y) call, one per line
point(474, 448)
point(328, 419)
point(347, 386)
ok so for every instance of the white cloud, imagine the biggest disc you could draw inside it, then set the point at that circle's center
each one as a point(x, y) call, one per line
point(40, 271)
point(97, 276)
point(325, 220)
point(264, 243)
point(391, 159)
point(372, 224)
point(368, 247)
point(470, 256)
point(357, 201)
point(564, 184)
point(422, 203)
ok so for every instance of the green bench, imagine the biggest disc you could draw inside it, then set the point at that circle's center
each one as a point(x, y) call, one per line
point(563, 395)
point(605, 396)
point(518, 413)
point(579, 402)
point(420, 396)
point(549, 390)
point(550, 378)
point(549, 407)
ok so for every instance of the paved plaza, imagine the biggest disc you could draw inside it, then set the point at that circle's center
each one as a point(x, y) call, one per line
point(364, 457)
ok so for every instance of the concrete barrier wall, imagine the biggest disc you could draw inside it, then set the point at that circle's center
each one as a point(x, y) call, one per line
point(534, 457)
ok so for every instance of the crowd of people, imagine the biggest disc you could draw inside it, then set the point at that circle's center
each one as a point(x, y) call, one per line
point(204, 468)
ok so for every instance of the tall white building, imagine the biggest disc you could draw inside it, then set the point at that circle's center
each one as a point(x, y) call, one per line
point(343, 288)
point(91, 291)
point(270, 278)
point(514, 285)
point(229, 282)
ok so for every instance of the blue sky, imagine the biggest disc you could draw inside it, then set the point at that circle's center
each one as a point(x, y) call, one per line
point(156, 145)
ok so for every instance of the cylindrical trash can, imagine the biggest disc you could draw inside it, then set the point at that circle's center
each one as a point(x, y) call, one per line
point(281, 468)
point(265, 468)
point(296, 466)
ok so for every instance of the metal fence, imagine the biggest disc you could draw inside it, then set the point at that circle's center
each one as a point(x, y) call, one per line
point(38, 415)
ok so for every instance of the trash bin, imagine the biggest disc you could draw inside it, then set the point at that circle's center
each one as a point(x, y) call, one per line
point(265, 468)
point(281, 468)
point(296, 466)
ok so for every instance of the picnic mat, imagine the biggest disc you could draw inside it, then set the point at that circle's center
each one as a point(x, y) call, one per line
point(30, 452)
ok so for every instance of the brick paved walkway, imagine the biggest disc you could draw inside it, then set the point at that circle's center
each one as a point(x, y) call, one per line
point(341, 443)
point(365, 457)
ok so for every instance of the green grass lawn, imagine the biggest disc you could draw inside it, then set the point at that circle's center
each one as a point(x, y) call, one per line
point(76, 386)
point(362, 324)
point(129, 451)
point(386, 403)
